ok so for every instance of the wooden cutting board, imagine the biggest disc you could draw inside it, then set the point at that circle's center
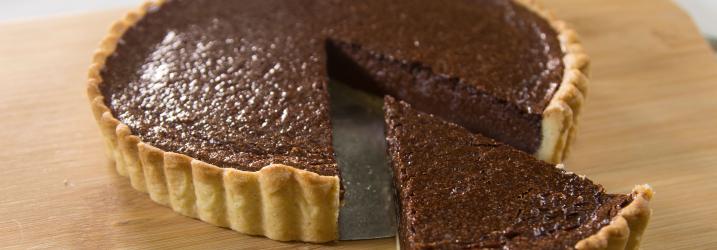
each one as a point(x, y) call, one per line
point(651, 117)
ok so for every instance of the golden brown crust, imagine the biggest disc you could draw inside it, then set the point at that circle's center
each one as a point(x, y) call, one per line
point(278, 201)
point(560, 117)
point(626, 228)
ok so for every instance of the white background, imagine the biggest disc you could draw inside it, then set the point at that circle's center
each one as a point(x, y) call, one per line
point(704, 12)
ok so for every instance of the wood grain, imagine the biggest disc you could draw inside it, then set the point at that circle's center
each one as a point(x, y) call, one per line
point(650, 117)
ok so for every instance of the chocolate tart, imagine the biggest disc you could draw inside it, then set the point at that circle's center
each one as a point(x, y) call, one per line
point(459, 190)
point(219, 109)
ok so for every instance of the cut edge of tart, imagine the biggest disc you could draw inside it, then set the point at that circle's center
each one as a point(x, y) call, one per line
point(623, 231)
point(279, 201)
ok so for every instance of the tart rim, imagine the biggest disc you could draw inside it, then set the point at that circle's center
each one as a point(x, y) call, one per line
point(207, 192)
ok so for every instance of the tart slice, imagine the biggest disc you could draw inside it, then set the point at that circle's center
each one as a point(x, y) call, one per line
point(462, 190)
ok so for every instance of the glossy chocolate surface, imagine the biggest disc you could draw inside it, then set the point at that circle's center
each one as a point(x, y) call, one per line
point(243, 83)
point(462, 190)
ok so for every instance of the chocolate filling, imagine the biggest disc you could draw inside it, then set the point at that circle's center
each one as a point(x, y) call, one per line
point(462, 190)
point(243, 84)
point(441, 95)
